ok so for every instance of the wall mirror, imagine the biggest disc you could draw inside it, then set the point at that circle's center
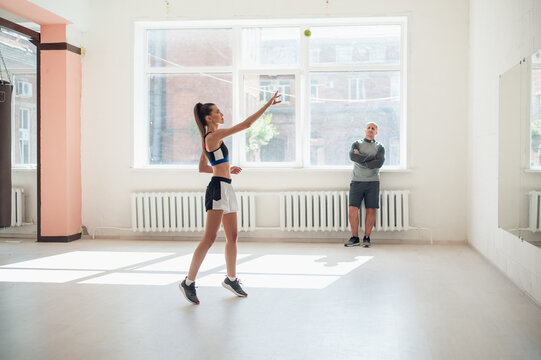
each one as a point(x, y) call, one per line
point(519, 157)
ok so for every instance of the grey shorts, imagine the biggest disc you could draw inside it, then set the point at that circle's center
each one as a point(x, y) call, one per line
point(367, 190)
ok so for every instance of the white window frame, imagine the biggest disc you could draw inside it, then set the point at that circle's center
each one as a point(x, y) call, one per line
point(302, 84)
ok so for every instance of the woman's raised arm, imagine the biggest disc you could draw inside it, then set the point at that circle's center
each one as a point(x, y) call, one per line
point(223, 133)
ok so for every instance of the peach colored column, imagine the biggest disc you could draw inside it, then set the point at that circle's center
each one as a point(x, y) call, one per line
point(60, 139)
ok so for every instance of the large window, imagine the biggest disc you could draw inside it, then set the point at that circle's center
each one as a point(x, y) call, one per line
point(24, 120)
point(535, 118)
point(19, 57)
point(334, 77)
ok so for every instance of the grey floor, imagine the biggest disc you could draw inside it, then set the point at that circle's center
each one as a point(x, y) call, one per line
point(118, 299)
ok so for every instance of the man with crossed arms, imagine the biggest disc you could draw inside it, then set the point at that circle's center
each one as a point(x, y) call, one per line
point(368, 156)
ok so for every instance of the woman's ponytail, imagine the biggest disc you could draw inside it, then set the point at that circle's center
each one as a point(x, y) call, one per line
point(200, 111)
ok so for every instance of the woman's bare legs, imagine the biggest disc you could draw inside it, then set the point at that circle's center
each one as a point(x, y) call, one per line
point(214, 218)
point(230, 228)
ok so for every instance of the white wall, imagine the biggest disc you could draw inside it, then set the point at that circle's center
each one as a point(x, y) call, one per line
point(501, 34)
point(75, 11)
point(437, 110)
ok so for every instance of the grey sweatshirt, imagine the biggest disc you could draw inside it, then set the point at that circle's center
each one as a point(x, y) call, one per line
point(366, 164)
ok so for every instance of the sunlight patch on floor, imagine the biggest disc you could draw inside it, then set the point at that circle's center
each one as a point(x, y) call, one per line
point(148, 268)
point(182, 263)
point(288, 271)
point(89, 260)
point(300, 264)
point(43, 276)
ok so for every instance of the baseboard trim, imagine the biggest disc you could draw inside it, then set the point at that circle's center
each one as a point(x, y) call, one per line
point(67, 238)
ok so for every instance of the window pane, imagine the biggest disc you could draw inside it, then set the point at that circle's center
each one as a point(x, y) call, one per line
point(24, 120)
point(189, 47)
point(355, 45)
point(173, 134)
point(17, 51)
point(341, 98)
point(346, 102)
point(272, 138)
point(270, 46)
point(535, 153)
point(19, 56)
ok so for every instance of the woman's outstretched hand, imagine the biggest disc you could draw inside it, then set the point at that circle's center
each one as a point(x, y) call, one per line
point(274, 99)
point(235, 169)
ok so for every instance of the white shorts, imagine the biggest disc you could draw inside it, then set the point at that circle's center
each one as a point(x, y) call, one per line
point(220, 195)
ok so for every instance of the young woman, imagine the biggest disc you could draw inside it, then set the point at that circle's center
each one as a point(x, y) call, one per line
point(220, 199)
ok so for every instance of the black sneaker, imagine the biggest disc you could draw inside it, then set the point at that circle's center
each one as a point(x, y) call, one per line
point(366, 241)
point(353, 241)
point(234, 287)
point(189, 291)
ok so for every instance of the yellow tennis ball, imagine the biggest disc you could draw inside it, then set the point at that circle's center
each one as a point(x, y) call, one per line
point(307, 33)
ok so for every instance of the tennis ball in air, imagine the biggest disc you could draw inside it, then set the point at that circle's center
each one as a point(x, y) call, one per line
point(307, 33)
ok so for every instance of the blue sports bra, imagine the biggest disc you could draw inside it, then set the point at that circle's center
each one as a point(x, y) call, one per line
point(219, 155)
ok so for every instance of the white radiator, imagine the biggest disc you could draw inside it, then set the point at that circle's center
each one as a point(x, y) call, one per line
point(535, 211)
point(183, 211)
point(17, 206)
point(328, 211)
